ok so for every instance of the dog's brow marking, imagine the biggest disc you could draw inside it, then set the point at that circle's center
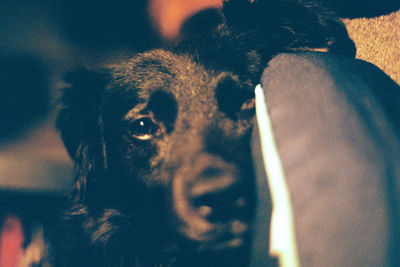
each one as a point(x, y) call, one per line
point(134, 111)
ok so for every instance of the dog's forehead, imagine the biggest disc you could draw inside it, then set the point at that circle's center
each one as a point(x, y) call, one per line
point(165, 70)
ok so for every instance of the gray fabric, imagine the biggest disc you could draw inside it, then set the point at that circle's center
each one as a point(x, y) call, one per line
point(334, 121)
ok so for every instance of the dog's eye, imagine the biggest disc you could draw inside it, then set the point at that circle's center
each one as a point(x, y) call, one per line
point(143, 128)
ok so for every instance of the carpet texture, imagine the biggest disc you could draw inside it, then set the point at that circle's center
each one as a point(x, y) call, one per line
point(378, 41)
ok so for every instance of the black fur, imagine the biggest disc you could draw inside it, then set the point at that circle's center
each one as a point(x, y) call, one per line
point(161, 141)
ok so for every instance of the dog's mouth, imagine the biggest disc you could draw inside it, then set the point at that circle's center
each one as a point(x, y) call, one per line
point(213, 203)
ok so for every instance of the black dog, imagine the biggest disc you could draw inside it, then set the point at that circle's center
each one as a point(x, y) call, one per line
point(161, 141)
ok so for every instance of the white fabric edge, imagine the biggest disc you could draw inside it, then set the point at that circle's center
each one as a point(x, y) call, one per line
point(282, 238)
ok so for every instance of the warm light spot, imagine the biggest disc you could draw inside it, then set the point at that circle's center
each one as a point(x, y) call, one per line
point(11, 240)
point(169, 15)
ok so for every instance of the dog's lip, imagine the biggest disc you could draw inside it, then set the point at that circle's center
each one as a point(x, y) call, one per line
point(224, 236)
point(233, 239)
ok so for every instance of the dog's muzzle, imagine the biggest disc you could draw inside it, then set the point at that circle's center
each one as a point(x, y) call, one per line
point(211, 202)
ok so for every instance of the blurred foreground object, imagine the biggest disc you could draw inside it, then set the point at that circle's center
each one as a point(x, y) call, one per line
point(336, 125)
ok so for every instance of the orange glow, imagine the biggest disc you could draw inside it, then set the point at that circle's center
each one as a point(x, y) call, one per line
point(11, 239)
point(168, 15)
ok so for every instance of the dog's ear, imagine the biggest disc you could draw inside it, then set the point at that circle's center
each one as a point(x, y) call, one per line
point(79, 115)
point(78, 122)
point(288, 25)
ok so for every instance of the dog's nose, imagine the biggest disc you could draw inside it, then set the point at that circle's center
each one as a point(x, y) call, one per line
point(216, 194)
point(210, 203)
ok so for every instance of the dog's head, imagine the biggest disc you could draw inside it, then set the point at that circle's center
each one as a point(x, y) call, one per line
point(166, 144)
point(161, 141)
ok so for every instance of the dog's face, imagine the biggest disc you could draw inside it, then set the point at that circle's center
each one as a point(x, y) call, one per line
point(169, 160)
point(184, 129)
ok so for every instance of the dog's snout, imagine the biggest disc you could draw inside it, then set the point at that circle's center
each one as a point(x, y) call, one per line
point(213, 178)
point(209, 202)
